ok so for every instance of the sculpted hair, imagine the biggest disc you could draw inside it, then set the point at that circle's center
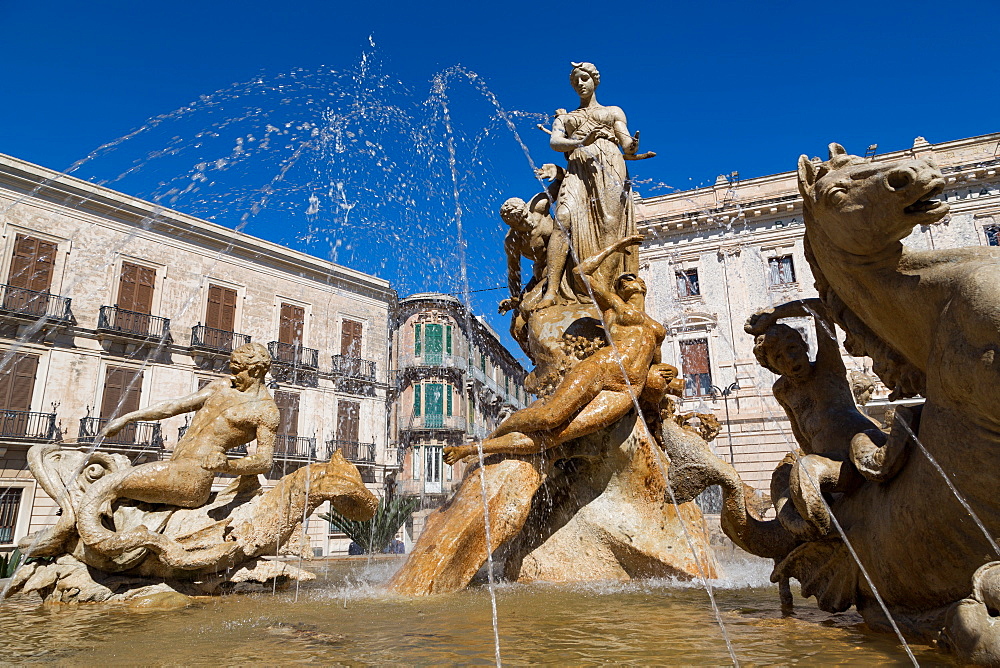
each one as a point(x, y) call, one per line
point(512, 207)
point(589, 68)
point(777, 334)
point(254, 356)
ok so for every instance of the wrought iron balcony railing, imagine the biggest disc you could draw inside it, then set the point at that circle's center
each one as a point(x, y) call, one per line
point(135, 435)
point(443, 422)
point(295, 447)
point(32, 304)
point(18, 425)
point(353, 451)
point(133, 324)
point(296, 355)
point(354, 367)
point(435, 359)
point(216, 340)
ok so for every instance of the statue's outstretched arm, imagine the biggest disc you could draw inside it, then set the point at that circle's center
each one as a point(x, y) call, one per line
point(800, 308)
point(160, 410)
point(606, 298)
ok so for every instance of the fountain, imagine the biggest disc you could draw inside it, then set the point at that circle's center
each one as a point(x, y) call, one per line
point(592, 485)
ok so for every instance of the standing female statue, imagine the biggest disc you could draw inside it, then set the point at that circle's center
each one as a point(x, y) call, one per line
point(595, 199)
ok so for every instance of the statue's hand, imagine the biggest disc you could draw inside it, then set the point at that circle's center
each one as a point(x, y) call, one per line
point(760, 321)
point(599, 132)
point(215, 461)
point(113, 427)
point(630, 150)
point(548, 171)
point(508, 304)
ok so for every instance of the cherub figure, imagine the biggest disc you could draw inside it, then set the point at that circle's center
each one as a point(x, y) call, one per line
point(602, 388)
point(838, 440)
point(229, 412)
point(534, 235)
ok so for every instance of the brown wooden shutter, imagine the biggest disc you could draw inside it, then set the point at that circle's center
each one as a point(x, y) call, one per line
point(135, 288)
point(350, 338)
point(32, 264)
point(694, 356)
point(121, 386)
point(221, 311)
point(17, 382)
point(288, 407)
point(291, 324)
point(348, 420)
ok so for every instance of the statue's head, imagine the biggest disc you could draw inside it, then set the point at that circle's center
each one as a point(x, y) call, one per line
point(252, 358)
point(585, 78)
point(514, 212)
point(628, 284)
point(861, 206)
point(782, 350)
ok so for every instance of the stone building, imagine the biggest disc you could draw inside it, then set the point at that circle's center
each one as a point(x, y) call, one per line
point(714, 256)
point(109, 303)
point(453, 383)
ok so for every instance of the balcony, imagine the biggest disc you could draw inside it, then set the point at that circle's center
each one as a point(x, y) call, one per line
point(437, 422)
point(25, 425)
point(294, 355)
point(135, 435)
point(133, 325)
point(295, 448)
point(22, 303)
point(354, 368)
point(434, 359)
point(353, 451)
point(217, 341)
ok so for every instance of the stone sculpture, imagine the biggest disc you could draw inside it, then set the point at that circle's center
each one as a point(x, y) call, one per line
point(606, 511)
point(930, 321)
point(166, 522)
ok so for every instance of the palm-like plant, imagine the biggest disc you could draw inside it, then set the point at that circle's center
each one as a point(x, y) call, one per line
point(9, 563)
point(374, 535)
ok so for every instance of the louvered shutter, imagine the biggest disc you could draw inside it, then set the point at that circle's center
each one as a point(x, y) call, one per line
point(348, 422)
point(122, 389)
point(17, 382)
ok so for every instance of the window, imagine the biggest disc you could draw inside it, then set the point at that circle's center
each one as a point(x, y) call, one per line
point(416, 399)
point(433, 343)
point(695, 367)
point(782, 270)
point(30, 273)
point(17, 384)
point(220, 317)
point(434, 404)
point(416, 340)
point(447, 394)
point(288, 408)
point(290, 324)
point(992, 235)
point(135, 298)
point(350, 338)
point(687, 283)
point(447, 340)
point(348, 413)
point(432, 467)
point(10, 504)
point(122, 388)
point(415, 458)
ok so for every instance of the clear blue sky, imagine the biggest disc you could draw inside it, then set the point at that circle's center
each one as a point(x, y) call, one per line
point(713, 87)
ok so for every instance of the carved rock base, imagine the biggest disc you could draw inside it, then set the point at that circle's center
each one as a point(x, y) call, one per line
point(595, 509)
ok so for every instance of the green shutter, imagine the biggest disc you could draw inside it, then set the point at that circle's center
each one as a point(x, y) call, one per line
point(434, 405)
point(447, 340)
point(416, 399)
point(471, 413)
point(434, 335)
point(447, 392)
point(416, 340)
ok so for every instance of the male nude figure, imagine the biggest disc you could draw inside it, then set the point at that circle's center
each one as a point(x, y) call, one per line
point(230, 412)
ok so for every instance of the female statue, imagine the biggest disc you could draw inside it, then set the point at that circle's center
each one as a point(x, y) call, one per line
point(595, 198)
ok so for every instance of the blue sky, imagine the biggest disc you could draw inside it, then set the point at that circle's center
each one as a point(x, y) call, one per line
point(713, 87)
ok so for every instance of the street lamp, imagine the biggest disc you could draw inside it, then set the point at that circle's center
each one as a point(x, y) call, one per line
point(716, 391)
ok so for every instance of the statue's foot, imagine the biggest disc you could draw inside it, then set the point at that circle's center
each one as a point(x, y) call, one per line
point(545, 302)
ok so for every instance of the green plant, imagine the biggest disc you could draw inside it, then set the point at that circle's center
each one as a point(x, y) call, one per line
point(377, 533)
point(9, 563)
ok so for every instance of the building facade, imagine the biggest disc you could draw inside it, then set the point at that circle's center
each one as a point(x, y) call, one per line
point(714, 256)
point(110, 303)
point(453, 383)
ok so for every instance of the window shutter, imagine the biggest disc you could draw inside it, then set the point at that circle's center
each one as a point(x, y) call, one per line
point(145, 283)
point(32, 265)
point(17, 382)
point(348, 413)
point(447, 394)
point(350, 338)
point(288, 408)
point(416, 340)
point(122, 388)
point(416, 399)
point(291, 324)
point(221, 311)
point(214, 310)
point(447, 340)
point(694, 356)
